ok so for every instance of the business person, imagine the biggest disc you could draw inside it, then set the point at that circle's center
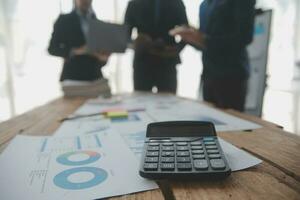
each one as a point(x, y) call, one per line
point(69, 42)
point(226, 28)
point(156, 52)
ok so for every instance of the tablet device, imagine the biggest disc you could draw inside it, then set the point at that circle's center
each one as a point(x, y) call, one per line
point(107, 37)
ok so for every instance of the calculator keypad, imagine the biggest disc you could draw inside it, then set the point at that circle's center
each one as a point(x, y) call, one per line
point(200, 164)
point(201, 155)
point(167, 167)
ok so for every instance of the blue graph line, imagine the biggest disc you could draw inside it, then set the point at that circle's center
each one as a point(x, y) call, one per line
point(98, 141)
point(44, 145)
point(78, 143)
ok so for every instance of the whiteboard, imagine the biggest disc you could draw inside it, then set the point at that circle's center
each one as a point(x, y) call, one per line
point(258, 54)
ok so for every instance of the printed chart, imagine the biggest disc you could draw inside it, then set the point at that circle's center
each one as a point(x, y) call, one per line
point(75, 168)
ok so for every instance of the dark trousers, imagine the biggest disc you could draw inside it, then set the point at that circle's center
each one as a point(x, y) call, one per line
point(225, 93)
point(153, 73)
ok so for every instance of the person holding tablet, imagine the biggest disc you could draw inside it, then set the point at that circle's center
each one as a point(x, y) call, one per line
point(69, 42)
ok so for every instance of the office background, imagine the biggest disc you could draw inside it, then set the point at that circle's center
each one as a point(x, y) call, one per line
point(29, 76)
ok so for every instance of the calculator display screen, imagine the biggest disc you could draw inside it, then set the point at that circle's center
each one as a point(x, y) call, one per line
point(180, 129)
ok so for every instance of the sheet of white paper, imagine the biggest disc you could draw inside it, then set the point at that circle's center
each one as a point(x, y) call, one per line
point(79, 167)
point(170, 108)
point(237, 158)
point(188, 110)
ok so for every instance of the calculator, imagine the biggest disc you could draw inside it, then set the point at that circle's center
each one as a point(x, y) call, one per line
point(183, 150)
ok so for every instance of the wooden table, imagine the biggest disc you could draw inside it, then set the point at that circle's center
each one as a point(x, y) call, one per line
point(278, 177)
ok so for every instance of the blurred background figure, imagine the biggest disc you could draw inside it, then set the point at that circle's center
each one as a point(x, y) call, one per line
point(24, 37)
point(156, 53)
point(69, 42)
point(226, 28)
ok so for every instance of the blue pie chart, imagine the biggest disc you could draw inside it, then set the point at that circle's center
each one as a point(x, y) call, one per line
point(61, 180)
point(64, 158)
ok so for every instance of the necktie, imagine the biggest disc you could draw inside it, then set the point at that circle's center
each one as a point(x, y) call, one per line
point(157, 11)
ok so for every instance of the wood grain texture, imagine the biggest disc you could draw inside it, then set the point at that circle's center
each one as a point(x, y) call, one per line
point(279, 149)
point(262, 182)
point(277, 178)
point(43, 121)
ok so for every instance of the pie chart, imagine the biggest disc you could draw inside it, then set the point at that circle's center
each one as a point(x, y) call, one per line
point(98, 175)
point(89, 157)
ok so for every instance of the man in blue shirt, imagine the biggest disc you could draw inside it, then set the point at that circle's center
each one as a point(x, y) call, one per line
point(226, 28)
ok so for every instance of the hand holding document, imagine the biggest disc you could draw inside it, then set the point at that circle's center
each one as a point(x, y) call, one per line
point(180, 30)
point(189, 35)
point(102, 56)
point(157, 47)
point(79, 51)
point(83, 50)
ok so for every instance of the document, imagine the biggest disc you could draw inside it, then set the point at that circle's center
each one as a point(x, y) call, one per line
point(237, 158)
point(92, 166)
point(107, 37)
point(171, 108)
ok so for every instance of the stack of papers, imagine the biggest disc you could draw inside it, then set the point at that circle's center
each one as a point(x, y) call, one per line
point(73, 88)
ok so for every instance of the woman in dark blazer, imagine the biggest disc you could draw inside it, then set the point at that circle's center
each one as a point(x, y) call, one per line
point(68, 41)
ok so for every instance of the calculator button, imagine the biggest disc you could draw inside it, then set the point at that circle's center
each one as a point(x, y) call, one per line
point(197, 152)
point(152, 154)
point(199, 156)
point(168, 148)
point(153, 144)
point(153, 148)
point(182, 148)
point(214, 156)
point(167, 154)
point(183, 160)
point(212, 151)
point(183, 153)
point(150, 166)
point(167, 167)
point(212, 147)
point(217, 164)
point(209, 143)
point(168, 144)
point(151, 159)
point(209, 139)
point(181, 143)
point(196, 143)
point(200, 164)
point(167, 159)
point(197, 147)
point(184, 166)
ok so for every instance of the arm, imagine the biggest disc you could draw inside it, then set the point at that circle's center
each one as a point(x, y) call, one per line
point(244, 14)
point(57, 46)
point(129, 19)
point(181, 20)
